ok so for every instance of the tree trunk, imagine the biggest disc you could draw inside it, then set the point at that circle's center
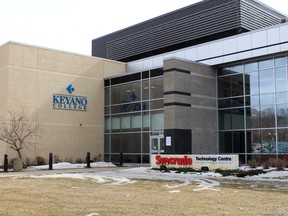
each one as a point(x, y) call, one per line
point(19, 153)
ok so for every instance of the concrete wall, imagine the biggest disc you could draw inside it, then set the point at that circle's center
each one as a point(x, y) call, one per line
point(33, 75)
point(190, 108)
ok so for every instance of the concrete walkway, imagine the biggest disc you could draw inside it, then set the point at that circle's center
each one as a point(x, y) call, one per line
point(60, 171)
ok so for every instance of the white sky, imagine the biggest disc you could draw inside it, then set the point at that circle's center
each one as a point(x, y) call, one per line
point(70, 25)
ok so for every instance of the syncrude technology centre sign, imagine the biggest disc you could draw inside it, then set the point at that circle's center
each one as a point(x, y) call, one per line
point(196, 161)
point(69, 102)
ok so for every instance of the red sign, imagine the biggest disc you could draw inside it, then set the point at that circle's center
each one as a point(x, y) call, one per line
point(173, 160)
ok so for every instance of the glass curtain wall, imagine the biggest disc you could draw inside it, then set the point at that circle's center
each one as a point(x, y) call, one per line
point(253, 108)
point(133, 110)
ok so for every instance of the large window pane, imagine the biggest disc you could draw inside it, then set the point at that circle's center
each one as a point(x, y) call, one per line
point(238, 138)
point(253, 117)
point(145, 121)
point(282, 140)
point(282, 97)
point(145, 143)
point(225, 120)
point(224, 88)
point(107, 96)
point(107, 124)
point(251, 66)
point(251, 83)
point(125, 123)
point(115, 123)
point(116, 143)
point(282, 115)
point(267, 99)
point(254, 141)
point(157, 120)
point(281, 79)
point(280, 61)
point(237, 116)
point(266, 64)
point(225, 142)
point(266, 80)
point(135, 143)
point(136, 122)
point(237, 85)
point(268, 141)
point(267, 117)
point(145, 89)
point(156, 88)
point(115, 94)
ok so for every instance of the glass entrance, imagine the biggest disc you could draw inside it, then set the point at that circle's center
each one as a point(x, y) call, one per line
point(157, 144)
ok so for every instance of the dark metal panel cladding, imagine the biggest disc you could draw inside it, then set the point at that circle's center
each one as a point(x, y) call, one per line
point(201, 22)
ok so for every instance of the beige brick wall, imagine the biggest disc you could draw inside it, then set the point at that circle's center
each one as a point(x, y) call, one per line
point(29, 77)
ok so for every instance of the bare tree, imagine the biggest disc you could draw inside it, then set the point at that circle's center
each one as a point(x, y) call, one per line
point(18, 131)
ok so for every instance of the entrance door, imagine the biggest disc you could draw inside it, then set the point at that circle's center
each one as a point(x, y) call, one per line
point(157, 144)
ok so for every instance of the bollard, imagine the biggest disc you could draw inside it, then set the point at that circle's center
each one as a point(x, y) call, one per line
point(5, 163)
point(121, 159)
point(50, 161)
point(88, 160)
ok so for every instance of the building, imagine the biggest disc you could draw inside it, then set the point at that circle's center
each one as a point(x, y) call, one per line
point(63, 91)
point(210, 78)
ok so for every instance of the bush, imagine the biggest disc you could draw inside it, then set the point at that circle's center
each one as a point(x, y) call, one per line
point(97, 158)
point(79, 160)
point(250, 173)
point(40, 160)
point(280, 165)
point(252, 163)
point(266, 165)
point(227, 172)
point(163, 168)
point(69, 160)
point(57, 159)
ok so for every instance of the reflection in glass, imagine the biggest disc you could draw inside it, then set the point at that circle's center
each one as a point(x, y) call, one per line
point(268, 141)
point(251, 66)
point(280, 61)
point(282, 140)
point(266, 80)
point(267, 117)
point(237, 117)
point(224, 119)
point(281, 79)
point(268, 63)
point(157, 120)
point(282, 97)
point(282, 115)
point(253, 117)
point(156, 88)
point(254, 141)
point(224, 89)
point(237, 85)
point(267, 99)
point(145, 89)
point(251, 83)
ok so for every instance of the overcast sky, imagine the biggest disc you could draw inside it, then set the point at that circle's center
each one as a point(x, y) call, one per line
point(70, 25)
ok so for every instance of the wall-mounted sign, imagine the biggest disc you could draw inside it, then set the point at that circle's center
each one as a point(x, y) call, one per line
point(69, 102)
point(168, 141)
point(196, 161)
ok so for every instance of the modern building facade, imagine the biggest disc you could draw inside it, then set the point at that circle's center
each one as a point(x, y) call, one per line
point(210, 78)
point(224, 83)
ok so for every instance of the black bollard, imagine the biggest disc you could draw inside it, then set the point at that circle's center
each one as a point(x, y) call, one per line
point(121, 159)
point(50, 161)
point(88, 160)
point(5, 163)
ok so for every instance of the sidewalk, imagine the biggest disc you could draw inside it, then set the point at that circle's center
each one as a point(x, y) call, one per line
point(60, 171)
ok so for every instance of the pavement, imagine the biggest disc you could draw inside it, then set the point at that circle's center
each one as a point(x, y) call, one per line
point(61, 171)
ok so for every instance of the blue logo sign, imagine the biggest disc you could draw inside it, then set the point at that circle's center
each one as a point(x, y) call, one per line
point(70, 89)
point(69, 102)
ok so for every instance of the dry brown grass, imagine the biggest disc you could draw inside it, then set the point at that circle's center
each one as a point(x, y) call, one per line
point(27, 196)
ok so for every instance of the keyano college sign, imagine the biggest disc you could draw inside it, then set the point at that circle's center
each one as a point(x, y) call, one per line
point(69, 102)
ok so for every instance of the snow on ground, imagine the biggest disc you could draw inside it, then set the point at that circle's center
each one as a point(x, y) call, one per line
point(174, 181)
point(66, 165)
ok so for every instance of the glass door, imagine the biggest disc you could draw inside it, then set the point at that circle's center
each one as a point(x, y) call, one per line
point(157, 144)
